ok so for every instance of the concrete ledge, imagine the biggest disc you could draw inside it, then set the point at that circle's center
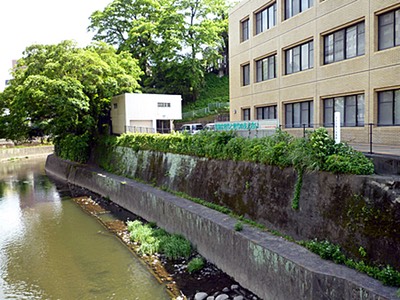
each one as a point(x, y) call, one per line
point(8, 153)
point(269, 266)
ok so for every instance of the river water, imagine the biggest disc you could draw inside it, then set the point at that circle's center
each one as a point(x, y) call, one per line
point(51, 249)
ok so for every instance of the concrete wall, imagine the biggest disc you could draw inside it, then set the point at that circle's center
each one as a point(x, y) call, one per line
point(352, 211)
point(8, 153)
point(267, 265)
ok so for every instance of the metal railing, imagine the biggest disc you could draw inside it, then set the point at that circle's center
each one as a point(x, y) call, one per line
point(139, 129)
point(205, 111)
point(368, 138)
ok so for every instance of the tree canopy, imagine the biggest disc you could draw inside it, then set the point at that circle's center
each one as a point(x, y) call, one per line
point(175, 42)
point(65, 91)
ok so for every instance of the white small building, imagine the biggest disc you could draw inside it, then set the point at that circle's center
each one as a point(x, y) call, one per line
point(145, 112)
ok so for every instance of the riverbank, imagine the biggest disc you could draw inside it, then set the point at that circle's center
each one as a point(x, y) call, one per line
point(181, 284)
point(269, 266)
point(23, 152)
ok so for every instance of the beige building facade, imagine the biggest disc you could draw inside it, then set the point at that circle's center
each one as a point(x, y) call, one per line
point(302, 61)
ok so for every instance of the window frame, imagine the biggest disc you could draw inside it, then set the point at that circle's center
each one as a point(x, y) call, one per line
point(395, 40)
point(263, 64)
point(358, 122)
point(259, 16)
point(263, 112)
point(246, 114)
point(330, 38)
point(394, 102)
point(289, 7)
point(299, 106)
point(296, 51)
point(245, 71)
point(244, 37)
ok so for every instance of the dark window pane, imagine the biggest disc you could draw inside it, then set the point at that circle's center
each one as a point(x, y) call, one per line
point(361, 38)
point(259, 70)
point(296, 59)
point(350, 111)
point(386, 30)
point(339, 45)
point(328, 112)
point(305, 113)
point(397, 27)
point(289, 115)
point(296, 115)
point(385, 108)
point(328, 49)
point(397, 107)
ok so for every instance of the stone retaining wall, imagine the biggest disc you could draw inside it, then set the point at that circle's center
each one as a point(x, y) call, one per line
point(8, 153)
point(349, 210)
point(267, 265)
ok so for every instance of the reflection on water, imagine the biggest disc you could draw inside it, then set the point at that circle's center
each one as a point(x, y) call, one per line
point(51, 249)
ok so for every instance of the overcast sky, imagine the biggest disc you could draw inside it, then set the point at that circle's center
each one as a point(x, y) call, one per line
point(26, 22)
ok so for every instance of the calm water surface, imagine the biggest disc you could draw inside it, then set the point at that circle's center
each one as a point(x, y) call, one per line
point(51, 249)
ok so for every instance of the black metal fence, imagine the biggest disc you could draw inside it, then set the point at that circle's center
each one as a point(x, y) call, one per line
point(370, 138)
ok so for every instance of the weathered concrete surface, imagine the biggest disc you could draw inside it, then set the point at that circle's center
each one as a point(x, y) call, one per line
point(386, 164)
point(349, 210)
point(267, 265)
point(8, 153)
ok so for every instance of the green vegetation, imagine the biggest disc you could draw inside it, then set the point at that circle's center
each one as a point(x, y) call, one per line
point(196, 264)
point(387, 274)
point(317, 151)
point(175, 42)
point(238, 226)
point(153, 240)
point(64, 91)
point(215, 89)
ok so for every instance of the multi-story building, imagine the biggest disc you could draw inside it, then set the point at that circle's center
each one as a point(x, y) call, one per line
point(300, 61)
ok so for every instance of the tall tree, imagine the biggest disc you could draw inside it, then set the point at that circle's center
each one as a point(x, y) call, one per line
point(174, 40)
point(65, 92)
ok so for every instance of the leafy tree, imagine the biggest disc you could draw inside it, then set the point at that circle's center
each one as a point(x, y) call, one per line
point(174, 41)
point(65, 91)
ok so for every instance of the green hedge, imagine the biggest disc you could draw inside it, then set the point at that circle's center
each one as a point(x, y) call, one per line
point(317, 151)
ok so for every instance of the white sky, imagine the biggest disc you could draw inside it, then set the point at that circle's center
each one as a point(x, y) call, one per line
point(27, 22)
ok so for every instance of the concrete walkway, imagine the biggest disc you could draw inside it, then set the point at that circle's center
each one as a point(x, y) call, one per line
point(378, 149)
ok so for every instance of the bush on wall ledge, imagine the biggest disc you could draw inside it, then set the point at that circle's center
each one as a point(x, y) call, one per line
point(317, 151)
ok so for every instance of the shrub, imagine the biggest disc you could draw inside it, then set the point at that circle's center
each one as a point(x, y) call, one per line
point(196, 264)
point(238, 226)
point(175, 246)
point(317, 151)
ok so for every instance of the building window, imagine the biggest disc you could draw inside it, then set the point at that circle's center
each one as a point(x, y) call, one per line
point(266, 112)
point(300, 58)
point(246, 74)
point(294, 7)
point(345, 43)
point(266, 68)
point(246, 114)
point(244, 30)
point(299, 114)
point(389, 29)
point(389, 108)
point(266, 18)
point(351, 110)
point(115, 105)
point(164, 104)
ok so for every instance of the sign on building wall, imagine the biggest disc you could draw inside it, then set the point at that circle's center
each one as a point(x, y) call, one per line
point(337, 127)
point(247, 125)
